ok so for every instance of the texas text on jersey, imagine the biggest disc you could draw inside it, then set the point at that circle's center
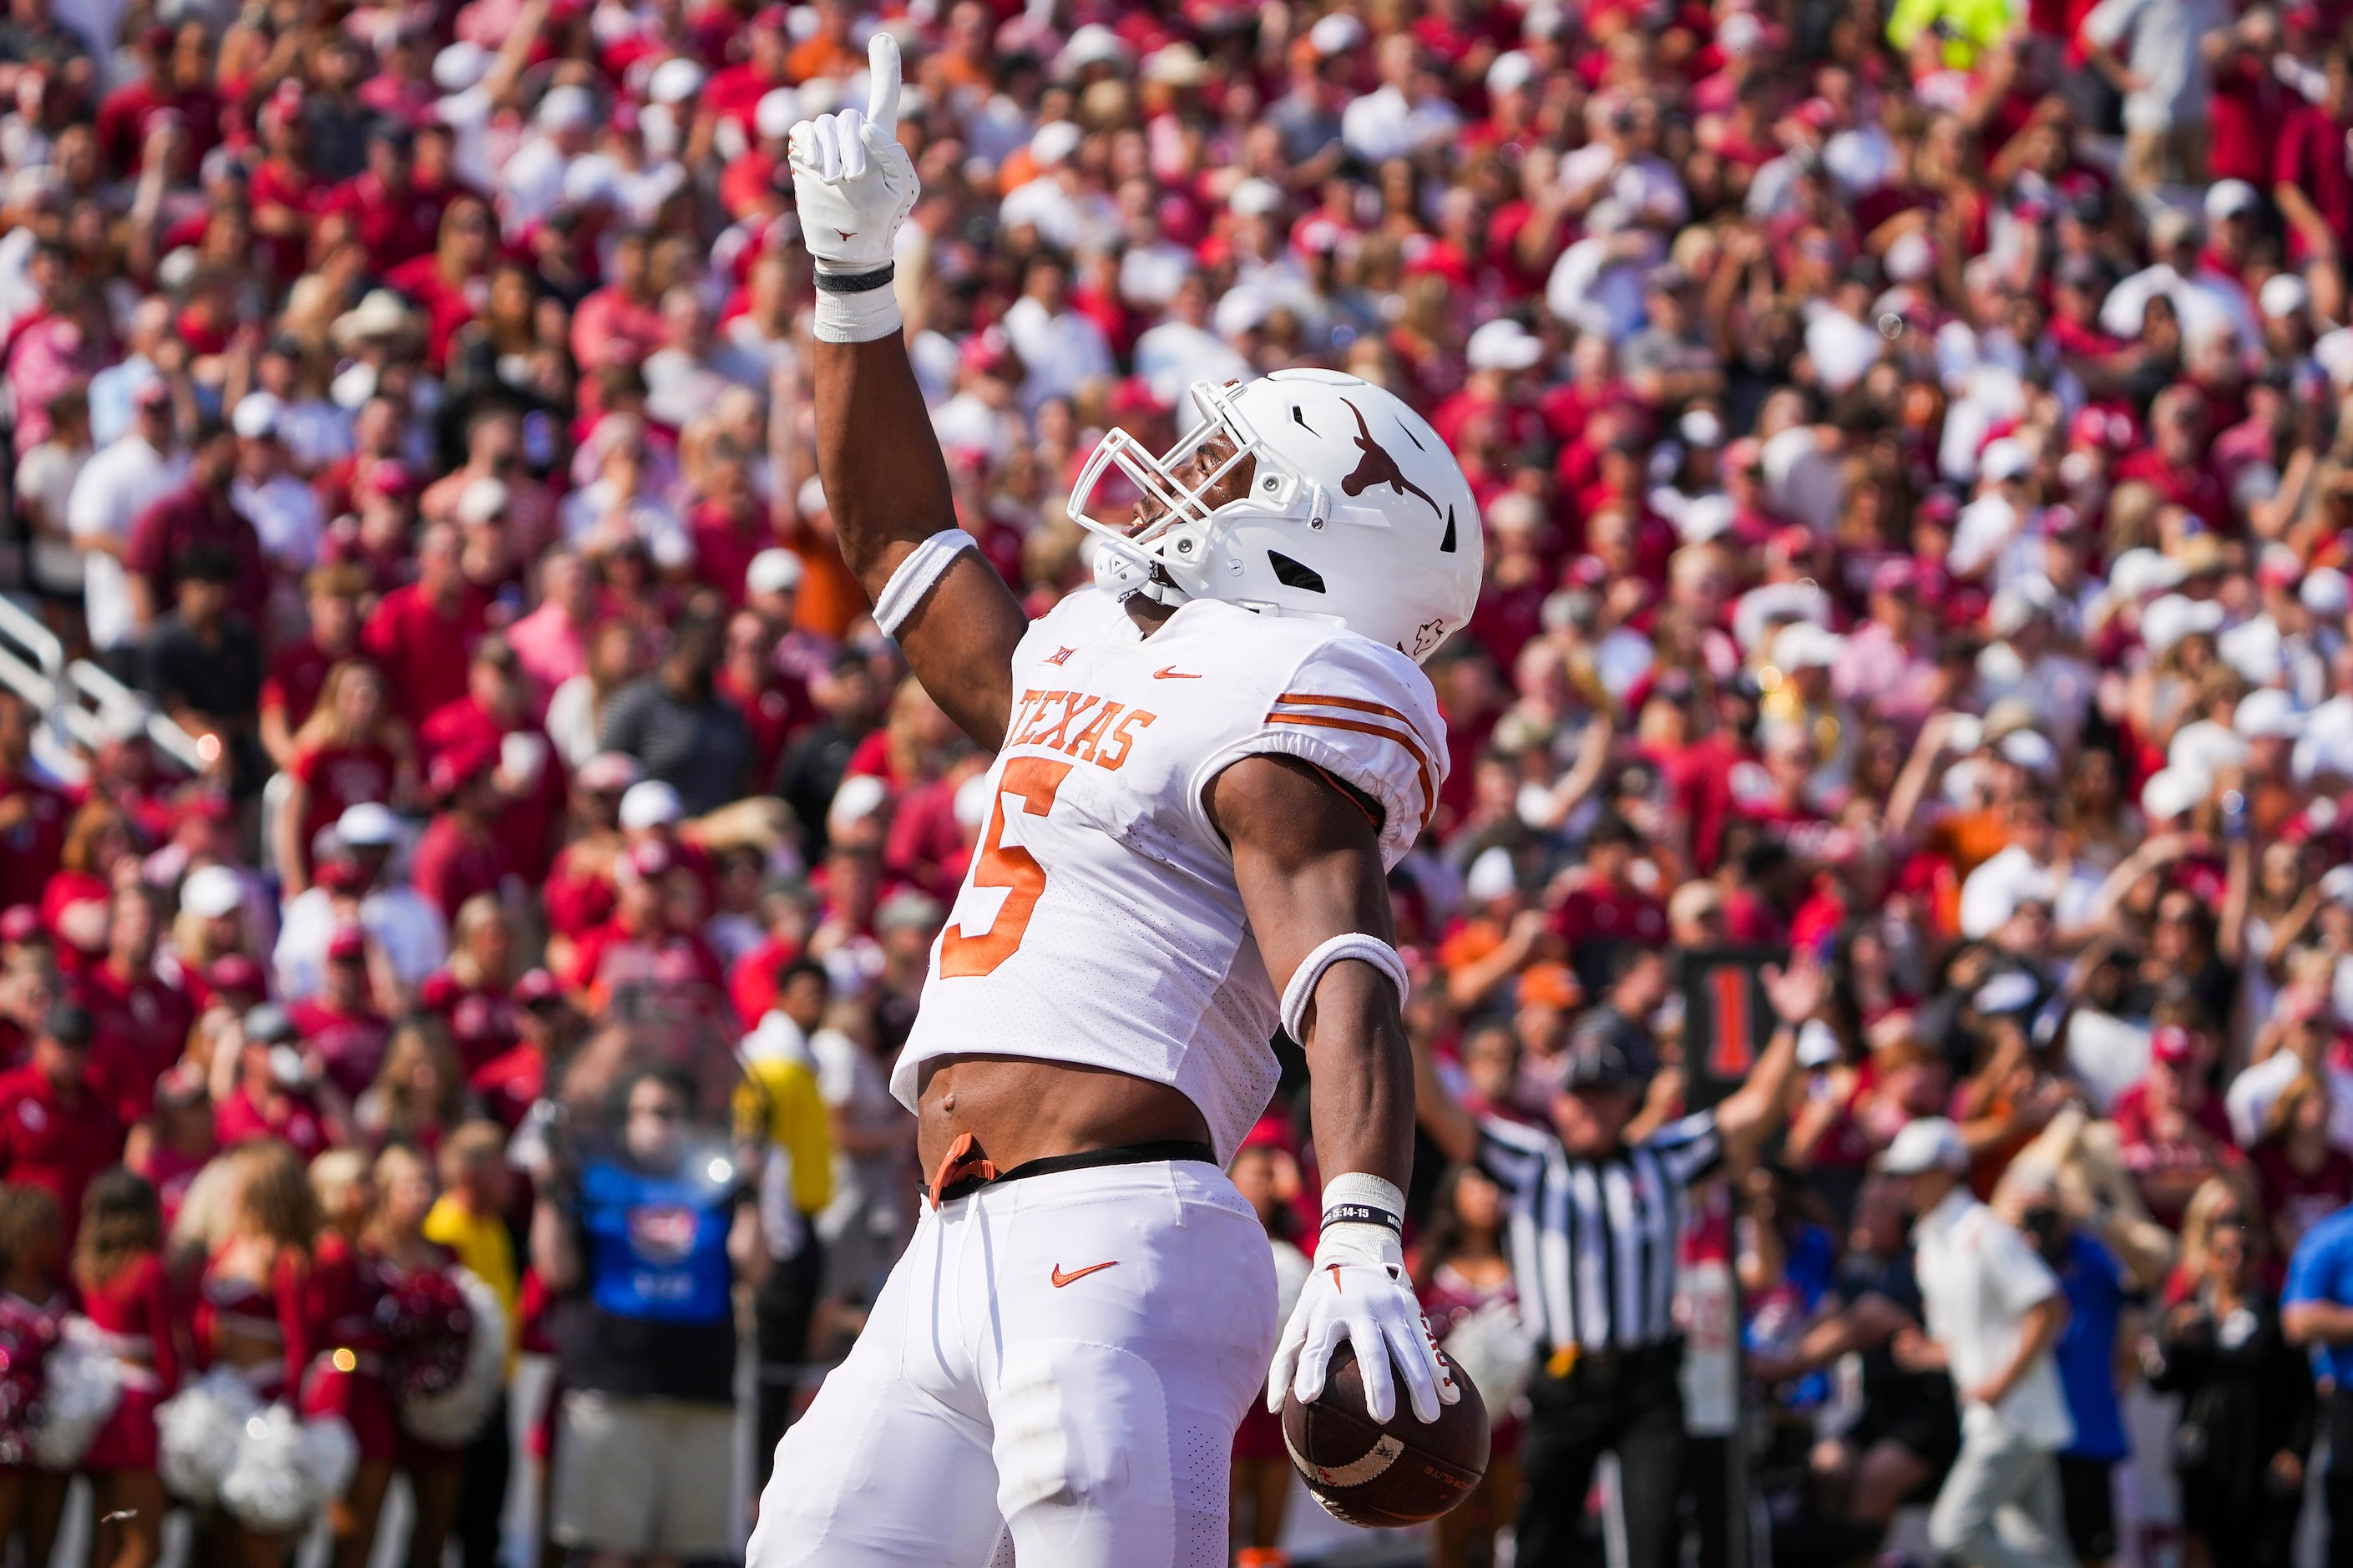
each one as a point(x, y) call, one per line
point(1100, 923)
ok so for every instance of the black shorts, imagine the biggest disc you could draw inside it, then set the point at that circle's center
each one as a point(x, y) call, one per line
point(1925, 1427)
point(2091, 1505)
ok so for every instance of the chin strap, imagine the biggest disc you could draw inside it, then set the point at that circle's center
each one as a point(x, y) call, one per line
point(1123, 576)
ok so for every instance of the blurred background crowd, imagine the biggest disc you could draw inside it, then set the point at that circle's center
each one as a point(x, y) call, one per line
point(1917, 518)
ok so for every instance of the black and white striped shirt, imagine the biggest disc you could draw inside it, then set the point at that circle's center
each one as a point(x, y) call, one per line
point(1594, 1243)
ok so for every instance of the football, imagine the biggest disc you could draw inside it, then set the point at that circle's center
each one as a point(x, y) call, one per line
point(1373, 1473)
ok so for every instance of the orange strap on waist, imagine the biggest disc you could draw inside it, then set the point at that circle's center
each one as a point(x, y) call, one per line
point(955, 1166)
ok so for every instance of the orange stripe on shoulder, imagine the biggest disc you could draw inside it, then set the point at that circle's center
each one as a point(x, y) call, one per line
point(1412, 746)
point(1360, 704)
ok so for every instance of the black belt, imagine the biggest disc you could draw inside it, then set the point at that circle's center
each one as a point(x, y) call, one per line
point(959, 1177)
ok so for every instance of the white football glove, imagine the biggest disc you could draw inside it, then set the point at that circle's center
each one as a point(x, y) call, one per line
point(853, 182)
point(1359, 1293)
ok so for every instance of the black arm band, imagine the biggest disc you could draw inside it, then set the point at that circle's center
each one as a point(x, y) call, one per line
point(1362, 1214)
point(858, 282)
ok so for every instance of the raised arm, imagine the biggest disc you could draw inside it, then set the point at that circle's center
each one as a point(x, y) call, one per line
point(884, 479)
point(1749, 1114)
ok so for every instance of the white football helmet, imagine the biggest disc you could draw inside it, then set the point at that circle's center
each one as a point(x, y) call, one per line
point(1355, 513)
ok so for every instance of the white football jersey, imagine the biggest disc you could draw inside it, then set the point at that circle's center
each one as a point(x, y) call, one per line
point(1100, 923)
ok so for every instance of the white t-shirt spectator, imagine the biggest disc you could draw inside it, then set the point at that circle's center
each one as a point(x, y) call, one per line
point(585, 514)
point(398, 920)
point(1978, 1277)
point(1172, 355)
point(1062, 353)
point(1383, 125)
point(2164, 53)
point(285, 512)
point(45, 482)
point(115, 487)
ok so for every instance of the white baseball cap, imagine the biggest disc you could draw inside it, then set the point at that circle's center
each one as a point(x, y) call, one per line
point(1335, 34)
point(2267, 711)
point(859, 797)
point(1510, 71)
point(1802, 645)
point(2227, 198)
point(2170, 791)
point(1491, 877)
point(2005, 458)
point(677, 78)
point(212, 892)
point(2167, 620)
point(483, 499)
point(369, 824)
point(256, 416)
point(1706, 517)
point(2326, 591)
point(1055, 142)
point(773, 571)
point(2282, 295)
point(567, 107)
point(651, 804)
point(2141, 570)
point(778, 111)
point(461, 65)
point(1931, 1143)
point(1503, 344)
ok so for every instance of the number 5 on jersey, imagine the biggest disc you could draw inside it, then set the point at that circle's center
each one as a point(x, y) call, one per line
point(1007, 866)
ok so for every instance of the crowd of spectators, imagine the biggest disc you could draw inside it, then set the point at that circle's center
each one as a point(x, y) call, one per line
point(1918, 522)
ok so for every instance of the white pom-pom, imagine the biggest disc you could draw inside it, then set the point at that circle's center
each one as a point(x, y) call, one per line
point(270, 1486)
point(454, 1419)
point(201, 1429)
point(1494, 1350)
point(81, 1386)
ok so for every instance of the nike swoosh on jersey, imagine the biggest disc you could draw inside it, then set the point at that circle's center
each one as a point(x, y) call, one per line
point(1062, 1278)
point(1170, 672)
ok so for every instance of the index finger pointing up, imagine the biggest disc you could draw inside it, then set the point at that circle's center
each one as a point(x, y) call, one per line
point(882, 75)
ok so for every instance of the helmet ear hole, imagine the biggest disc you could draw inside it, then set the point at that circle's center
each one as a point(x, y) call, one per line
point(1292, 574)
point(1446, 545)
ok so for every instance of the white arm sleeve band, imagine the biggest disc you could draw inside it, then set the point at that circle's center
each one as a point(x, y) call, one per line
point(1301, 991)
point(856, 317)
point(916, 574)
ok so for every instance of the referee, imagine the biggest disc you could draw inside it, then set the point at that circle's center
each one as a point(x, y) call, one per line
point(1595, 1228)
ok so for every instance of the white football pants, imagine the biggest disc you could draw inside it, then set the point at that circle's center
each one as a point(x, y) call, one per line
point(1054, 1371)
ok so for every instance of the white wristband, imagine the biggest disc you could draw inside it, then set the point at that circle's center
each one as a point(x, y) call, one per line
point(916, 574)
point(856, 317)
point(1356, 1189)
point(1301, 991)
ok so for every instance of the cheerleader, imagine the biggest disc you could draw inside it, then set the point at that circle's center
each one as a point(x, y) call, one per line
point(119, 1269)
point(33, 1311)
point(253, 1306)
point(346, 1378)
point(395, 1243)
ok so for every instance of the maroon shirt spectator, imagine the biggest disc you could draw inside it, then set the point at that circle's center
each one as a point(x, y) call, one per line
point(57, 1126)
point(424, 635)
point(340, 1023)
point(494, 717)
point(2312, 185)
point(459, 854)
point(140, 1020)
point(199, 513)
point(33, 814)
point(390, 218)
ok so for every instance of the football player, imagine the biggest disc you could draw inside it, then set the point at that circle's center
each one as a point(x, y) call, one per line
point(1206, 765)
